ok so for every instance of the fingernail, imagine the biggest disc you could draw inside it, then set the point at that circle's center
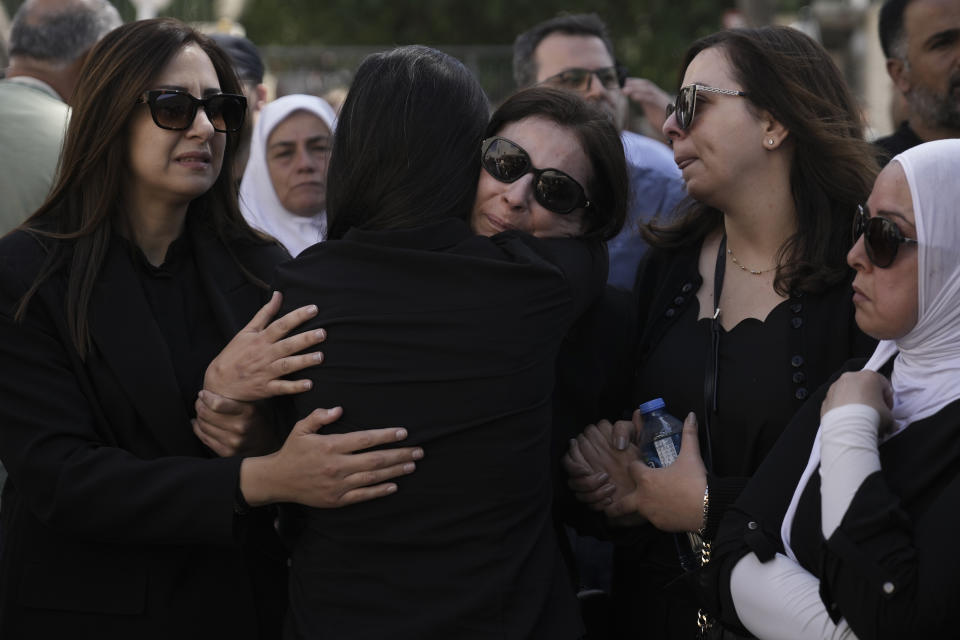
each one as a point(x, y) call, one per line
point(312, 309)
point(318, 356)
point(409, 467)
point(621, 443)
point(274, 295)
point(391, 488)
point(401, 434)
point(320, 334)
point(306, 384)
point(604, 477)
point(417, 454)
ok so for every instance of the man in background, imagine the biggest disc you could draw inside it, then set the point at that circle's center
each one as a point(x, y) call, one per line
point(575, 52)
point(921, 39)
point(49, 41)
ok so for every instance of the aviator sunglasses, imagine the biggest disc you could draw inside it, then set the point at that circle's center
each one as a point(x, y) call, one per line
point(176, 110)
point(686, 103)
point(881, 237)
point(507, 162)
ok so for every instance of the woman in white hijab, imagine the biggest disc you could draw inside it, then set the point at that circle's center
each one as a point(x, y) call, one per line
point(283, 191)
point(856, 538)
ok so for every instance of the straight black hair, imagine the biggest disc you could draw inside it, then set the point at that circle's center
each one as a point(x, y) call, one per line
point(406, 151)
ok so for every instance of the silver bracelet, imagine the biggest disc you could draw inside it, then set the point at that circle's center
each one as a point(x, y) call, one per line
point(706, 510)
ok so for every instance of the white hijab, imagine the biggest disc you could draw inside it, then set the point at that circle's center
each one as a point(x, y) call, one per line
point(926, 370)
point(258, 199)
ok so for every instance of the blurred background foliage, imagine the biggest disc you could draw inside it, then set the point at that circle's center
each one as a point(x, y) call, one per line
point(649, 35)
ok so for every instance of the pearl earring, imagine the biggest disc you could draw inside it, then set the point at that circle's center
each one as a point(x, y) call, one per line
point(771, 141)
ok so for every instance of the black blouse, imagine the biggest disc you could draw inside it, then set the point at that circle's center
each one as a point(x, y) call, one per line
point(182, 312)
point(767, 370)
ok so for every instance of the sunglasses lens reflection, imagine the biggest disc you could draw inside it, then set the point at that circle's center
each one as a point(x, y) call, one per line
point(557, 191)
point(505, 161)
point(882, 241)
point(685, 107)
point(173, 110)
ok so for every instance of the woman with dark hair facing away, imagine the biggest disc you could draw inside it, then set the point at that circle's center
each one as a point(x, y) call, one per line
point(114, 297)
point(845, 529)
point(454, 336)
point(744, 301)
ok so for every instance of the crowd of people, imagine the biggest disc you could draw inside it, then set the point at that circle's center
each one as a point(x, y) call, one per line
point(280, 370)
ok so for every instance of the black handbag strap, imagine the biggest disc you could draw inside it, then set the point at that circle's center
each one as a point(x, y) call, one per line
point(712, 378)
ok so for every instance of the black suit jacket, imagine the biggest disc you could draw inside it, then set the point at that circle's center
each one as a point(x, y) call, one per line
point(455, 338)
point(116, 522)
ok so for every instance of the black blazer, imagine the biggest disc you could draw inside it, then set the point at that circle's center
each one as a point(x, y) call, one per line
point(889, 567)
point(116, 522)
point(454, 337)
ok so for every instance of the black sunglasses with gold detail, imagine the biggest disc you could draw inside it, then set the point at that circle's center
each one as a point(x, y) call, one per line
point(175, 110)
point(881, 237)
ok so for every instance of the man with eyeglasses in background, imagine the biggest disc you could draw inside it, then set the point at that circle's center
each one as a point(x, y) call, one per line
point(575, 52)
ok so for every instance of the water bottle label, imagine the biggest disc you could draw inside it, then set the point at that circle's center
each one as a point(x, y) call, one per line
point(662, 452)
point(666, 451)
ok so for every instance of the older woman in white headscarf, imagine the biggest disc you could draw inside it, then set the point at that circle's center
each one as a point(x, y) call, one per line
point(283, 191)
point(848, 528)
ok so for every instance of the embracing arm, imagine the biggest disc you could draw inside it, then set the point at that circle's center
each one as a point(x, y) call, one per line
point(83, 462)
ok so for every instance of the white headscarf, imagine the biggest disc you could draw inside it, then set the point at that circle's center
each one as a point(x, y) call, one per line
point(258, 199)
point(926, 371)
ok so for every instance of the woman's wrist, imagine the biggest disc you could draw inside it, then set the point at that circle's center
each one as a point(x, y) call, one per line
point(258, 481)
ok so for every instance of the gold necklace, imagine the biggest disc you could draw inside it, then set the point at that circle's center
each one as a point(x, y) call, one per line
point(748, 270)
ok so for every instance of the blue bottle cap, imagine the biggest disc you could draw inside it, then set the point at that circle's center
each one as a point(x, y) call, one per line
point(652, 405)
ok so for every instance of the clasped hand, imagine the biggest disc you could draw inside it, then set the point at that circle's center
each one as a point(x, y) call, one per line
point(607, 474)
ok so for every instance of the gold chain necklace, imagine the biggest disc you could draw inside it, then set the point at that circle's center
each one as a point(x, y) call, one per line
point(748, 270)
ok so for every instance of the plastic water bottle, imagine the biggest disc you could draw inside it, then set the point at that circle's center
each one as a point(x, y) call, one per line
point(659, 446)
point(662, 433)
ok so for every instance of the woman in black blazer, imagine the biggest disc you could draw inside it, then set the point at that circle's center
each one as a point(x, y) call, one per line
point(116, 521)
point(453, 336)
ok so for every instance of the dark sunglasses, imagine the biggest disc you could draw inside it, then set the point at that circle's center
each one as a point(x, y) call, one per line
point(176, 110)
point(507, 162)
point(580, 79)
point(881, 237)
point(686, 103)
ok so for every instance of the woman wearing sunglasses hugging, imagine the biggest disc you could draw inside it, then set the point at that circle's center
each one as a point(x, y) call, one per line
point(117, 521)
point(454, 337)
point(845, 529)
point(744, 302)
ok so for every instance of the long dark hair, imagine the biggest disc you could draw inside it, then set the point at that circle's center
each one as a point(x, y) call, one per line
point(790, 76)
point(406, 151)
point(85, 205)
point(609, 185)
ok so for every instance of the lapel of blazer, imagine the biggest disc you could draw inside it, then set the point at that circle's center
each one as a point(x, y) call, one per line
point(233, 298)
point(123, 328)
